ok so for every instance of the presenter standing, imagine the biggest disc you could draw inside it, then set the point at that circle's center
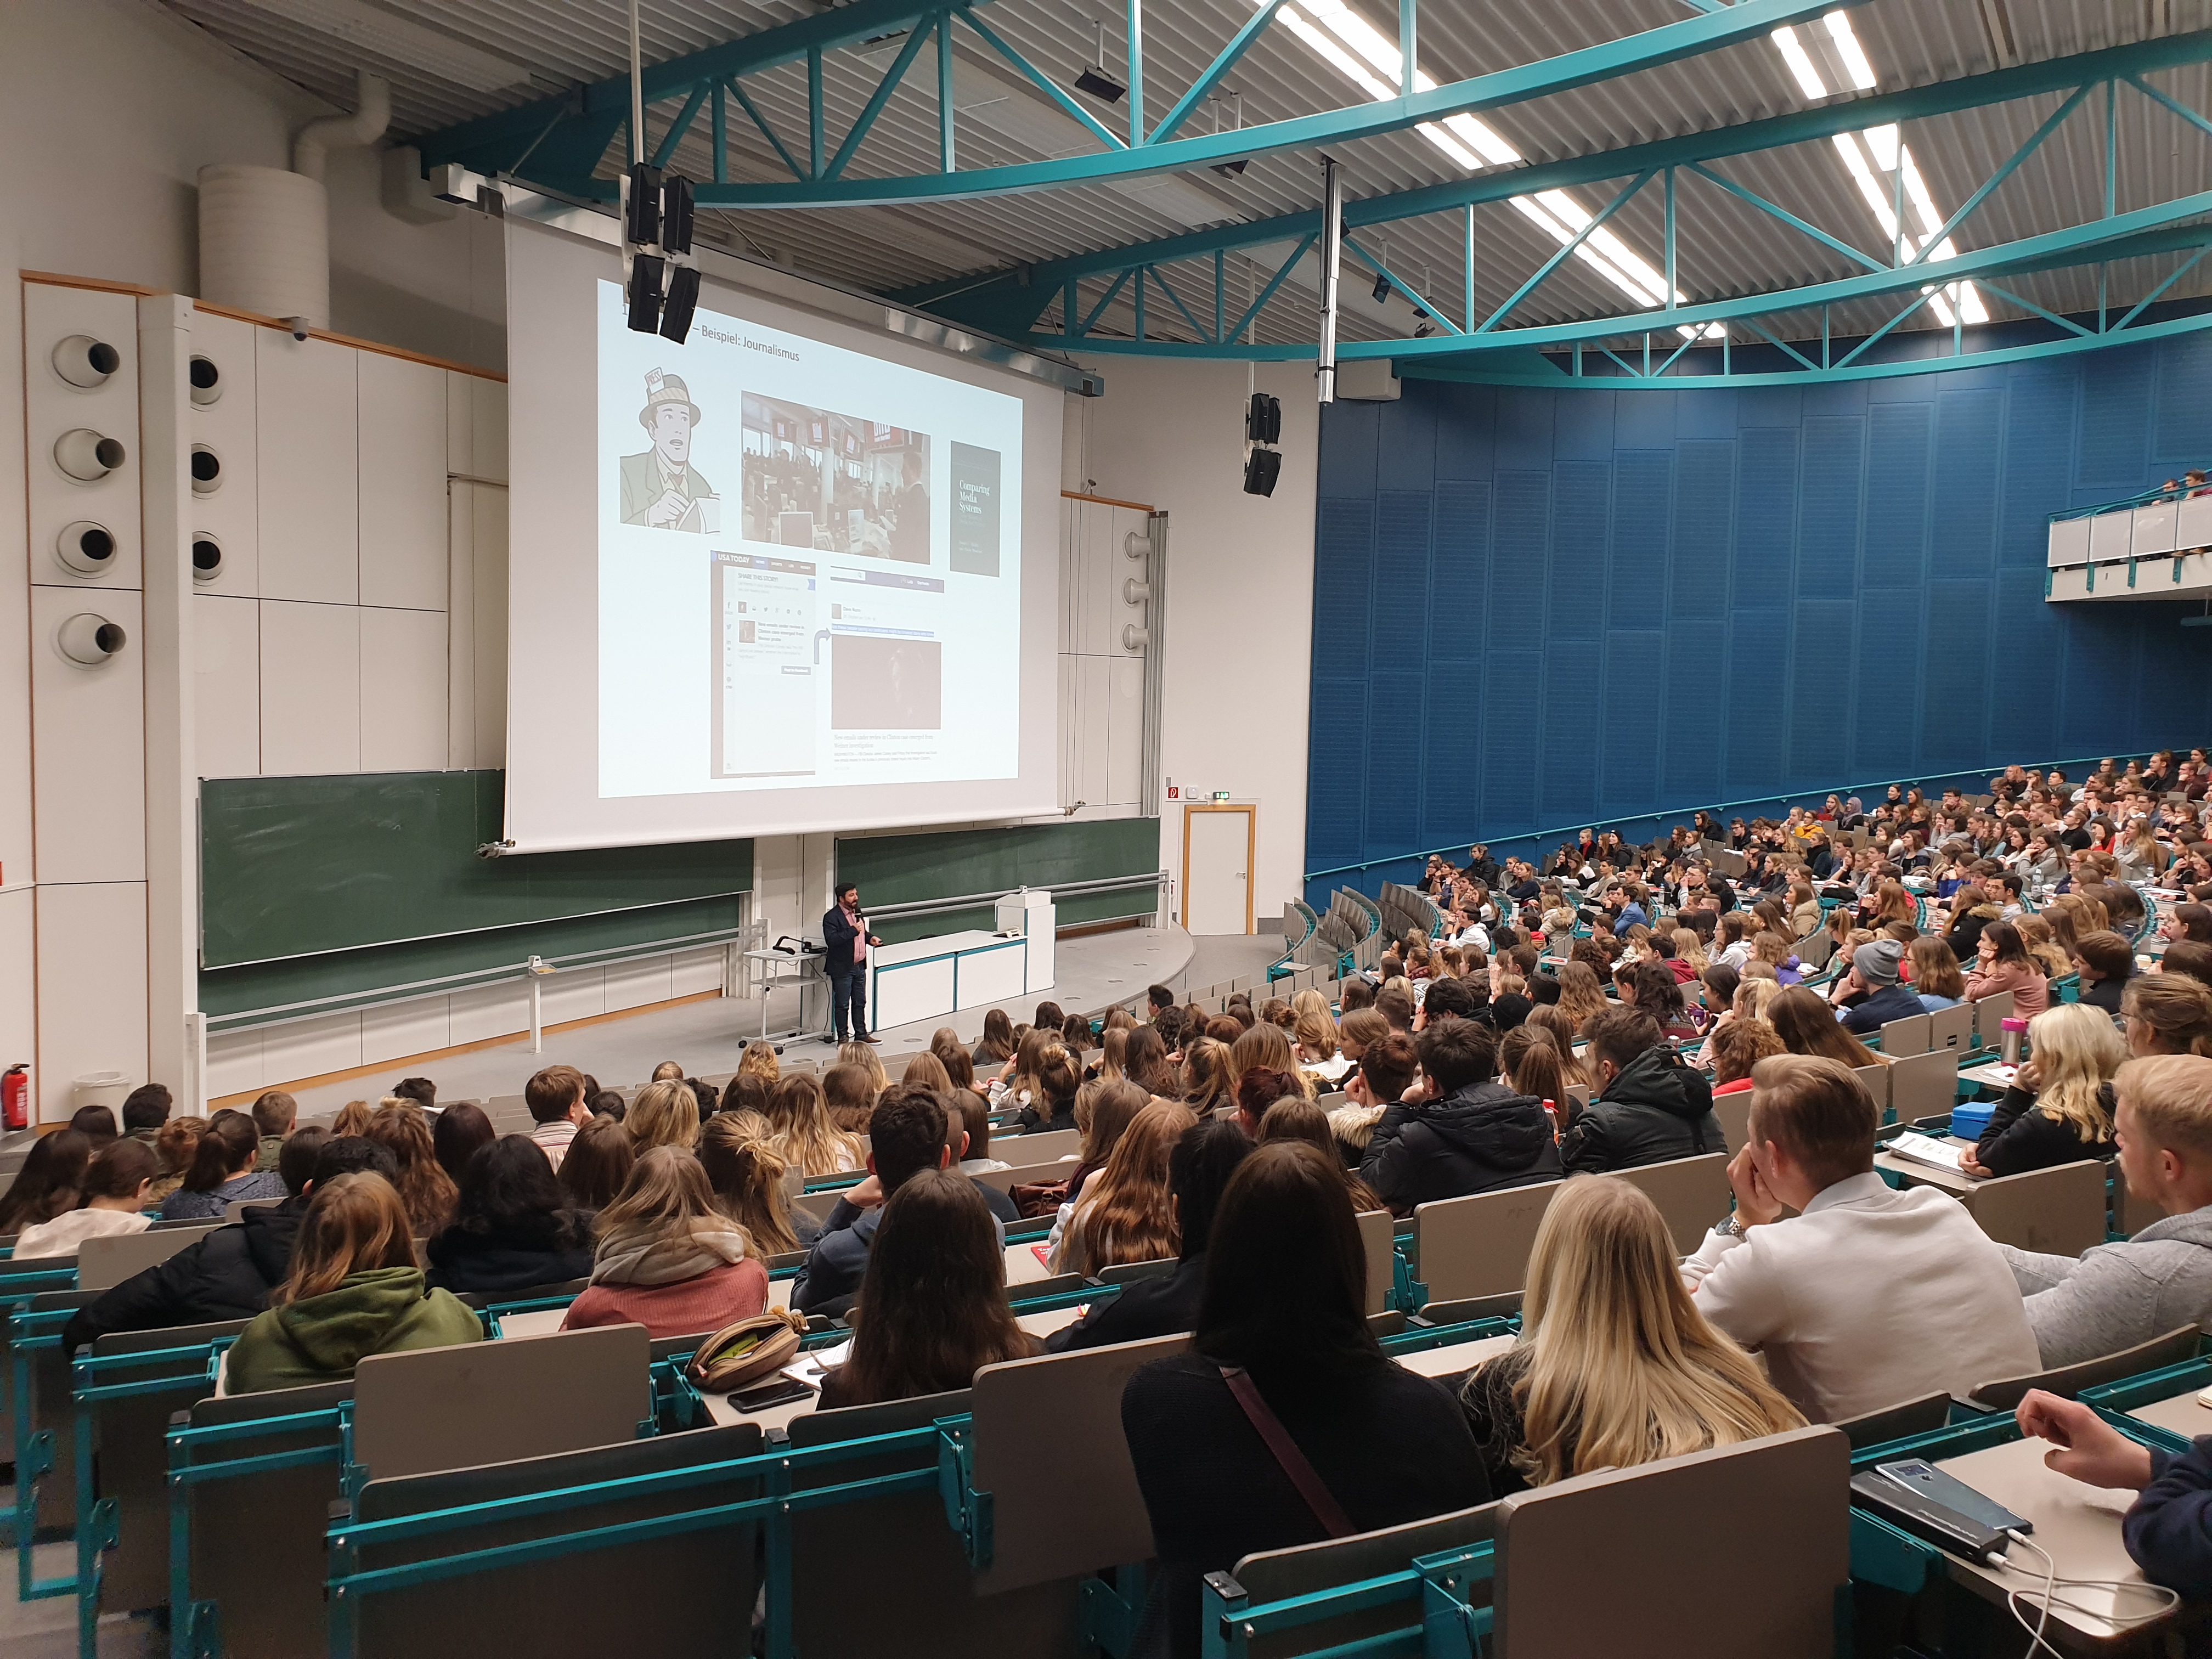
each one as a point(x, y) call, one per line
point(846, 939)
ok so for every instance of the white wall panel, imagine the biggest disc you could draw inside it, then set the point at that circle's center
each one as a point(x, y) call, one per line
point(1125, 730)
point(572, 993)
point(309, 469)
point(635, 984)
point(231, 513)
point(226, 689)
point(88, 793)
point(234, 1063)
point(699, 968)
point(403, 690)
point(493, 1011)
point(402, 408)
point(92, 965)
point(460, 624)
point(310, 1047)
point(310, 689)
point(19, 1009)
point(417, 1027)
point(53, 406)
point(1094, 709)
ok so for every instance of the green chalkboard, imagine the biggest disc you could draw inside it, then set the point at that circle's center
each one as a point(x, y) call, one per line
point(945, 864)
point(293, 867)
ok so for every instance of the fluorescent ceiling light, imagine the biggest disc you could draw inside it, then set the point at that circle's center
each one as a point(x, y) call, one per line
point(401, 39)
point(1893, 163)
point(1371, 61)
point(1847, 48)
point(1800, 61)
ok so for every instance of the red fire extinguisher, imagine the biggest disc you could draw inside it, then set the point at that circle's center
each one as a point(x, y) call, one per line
point(16, 1095)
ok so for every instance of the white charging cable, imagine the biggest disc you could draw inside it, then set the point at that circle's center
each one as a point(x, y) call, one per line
point(2168, 1601)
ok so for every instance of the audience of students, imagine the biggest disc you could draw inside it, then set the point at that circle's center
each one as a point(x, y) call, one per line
point(1282, 1350)
point(46, 1186)
point(597, 1163)
point(427, 1190)
point(1819, 1291)
point(746, 1174)
point(353, 1289)
point(556, 1099)
point(1126, 1213)
point(458, 1130)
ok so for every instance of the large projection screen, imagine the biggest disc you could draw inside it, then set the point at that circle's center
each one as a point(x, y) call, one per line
point(793, 574)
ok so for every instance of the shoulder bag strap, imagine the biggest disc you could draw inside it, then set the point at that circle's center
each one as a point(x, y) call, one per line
point(1319, 1500)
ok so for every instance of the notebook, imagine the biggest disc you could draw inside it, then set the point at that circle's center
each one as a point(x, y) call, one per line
point(1926, 1149)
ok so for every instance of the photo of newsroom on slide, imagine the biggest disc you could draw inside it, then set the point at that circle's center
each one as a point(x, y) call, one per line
point(786, 620)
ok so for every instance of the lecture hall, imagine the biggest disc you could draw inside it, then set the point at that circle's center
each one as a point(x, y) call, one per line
point(1229, 830)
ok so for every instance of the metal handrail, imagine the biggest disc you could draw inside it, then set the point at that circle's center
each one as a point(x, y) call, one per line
point(976, 901)
point(2141, 498)
point(314, 1008)
point(1781, 799)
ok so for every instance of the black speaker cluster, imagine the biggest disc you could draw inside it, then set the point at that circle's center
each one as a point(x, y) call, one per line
point(664, 285)
point(1263, 429)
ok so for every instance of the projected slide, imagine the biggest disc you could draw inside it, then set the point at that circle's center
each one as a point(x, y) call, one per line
point(809, 573)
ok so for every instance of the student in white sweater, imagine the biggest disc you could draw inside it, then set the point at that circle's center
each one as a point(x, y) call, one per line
point(1869, 1297)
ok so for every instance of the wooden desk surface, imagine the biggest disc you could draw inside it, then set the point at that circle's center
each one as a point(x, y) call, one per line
point(2079, 1525)
point(2181, 1414)
point(1023, 1267)
point(1459, 1357)
point(1927, 1175)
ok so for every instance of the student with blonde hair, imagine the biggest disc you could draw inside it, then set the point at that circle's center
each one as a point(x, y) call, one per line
point(1581, 998)
point(2115, 1295)
point(1614, 1366)
point(759, 1061)
point(353, 1289)
point(1315, 1046)
point(2166, 1014)
point(927, 1069)
point(665, 1113)
point(863, 1054)
point(2059, 1107)
point(801, 1133)
point(746, 1175)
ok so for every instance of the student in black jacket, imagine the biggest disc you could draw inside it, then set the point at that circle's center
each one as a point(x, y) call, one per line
point(1282, 1319)
point(2106, 964)
point(229, 1274)
point(514, 1229)
point(2060, 1107)
point(1649, 1107)
point(1205, 1157)
point(1471, 1134)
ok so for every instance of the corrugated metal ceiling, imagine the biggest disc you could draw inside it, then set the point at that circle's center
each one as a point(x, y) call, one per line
point(1726, 246)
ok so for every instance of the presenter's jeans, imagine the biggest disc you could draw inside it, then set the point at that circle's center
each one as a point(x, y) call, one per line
point(848, 992)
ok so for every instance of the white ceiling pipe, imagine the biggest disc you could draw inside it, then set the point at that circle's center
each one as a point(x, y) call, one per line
point(372, 115)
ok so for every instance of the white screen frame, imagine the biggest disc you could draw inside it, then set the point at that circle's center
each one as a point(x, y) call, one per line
point(552, 801)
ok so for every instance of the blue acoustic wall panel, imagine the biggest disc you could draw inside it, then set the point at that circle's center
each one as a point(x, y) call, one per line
point(1536, 609)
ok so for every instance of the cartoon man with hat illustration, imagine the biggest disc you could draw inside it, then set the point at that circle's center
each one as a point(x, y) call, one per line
point(660, 488)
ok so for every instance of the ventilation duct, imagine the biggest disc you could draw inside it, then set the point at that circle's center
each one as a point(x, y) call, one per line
point(265, 233)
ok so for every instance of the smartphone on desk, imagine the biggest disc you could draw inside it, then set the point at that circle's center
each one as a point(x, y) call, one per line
point(777, 1390)
point(1932, 1483)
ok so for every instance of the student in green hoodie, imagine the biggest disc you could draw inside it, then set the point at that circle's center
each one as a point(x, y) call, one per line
point(353, 1290)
